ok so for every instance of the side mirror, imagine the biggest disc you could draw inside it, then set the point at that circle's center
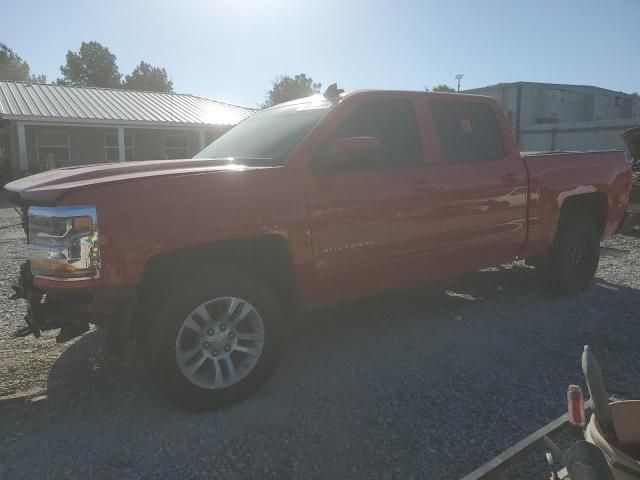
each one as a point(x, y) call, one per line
point(350, 153)
point(353, 145)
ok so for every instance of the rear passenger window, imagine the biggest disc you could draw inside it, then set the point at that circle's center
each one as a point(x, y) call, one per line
point(393, 123)
point(468, 131)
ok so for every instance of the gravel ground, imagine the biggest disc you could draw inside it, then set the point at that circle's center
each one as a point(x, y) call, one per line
point(427, 384)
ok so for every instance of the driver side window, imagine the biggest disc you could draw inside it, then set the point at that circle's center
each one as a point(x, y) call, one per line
point(393, 123)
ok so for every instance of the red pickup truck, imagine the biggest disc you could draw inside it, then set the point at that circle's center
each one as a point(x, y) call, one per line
point(204, 261)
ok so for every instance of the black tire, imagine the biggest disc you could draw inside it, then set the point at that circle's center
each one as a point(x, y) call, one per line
point(571, 263)
point(160, 345)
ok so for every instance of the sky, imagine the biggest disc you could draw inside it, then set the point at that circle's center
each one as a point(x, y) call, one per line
point(232, 50)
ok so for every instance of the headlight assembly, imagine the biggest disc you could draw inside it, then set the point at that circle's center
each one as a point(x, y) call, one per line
point(64, 242)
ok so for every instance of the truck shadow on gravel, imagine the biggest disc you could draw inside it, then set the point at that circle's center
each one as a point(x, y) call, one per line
point(482, 360)
point(488, 300)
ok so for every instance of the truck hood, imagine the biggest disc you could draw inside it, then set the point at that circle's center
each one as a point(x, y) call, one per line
point(50, 185)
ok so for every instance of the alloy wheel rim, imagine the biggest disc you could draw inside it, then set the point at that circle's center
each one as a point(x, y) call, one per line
point(220, 342)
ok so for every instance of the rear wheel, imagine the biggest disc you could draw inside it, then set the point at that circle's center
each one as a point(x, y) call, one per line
point(219, 338)
point(572, 261)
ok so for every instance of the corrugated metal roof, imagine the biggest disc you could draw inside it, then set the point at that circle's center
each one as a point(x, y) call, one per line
point(57, 103)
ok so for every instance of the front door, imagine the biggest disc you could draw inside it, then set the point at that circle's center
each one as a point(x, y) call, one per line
point(359, 215)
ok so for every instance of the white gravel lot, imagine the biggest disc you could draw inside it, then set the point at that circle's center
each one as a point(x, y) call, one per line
point(427, 384)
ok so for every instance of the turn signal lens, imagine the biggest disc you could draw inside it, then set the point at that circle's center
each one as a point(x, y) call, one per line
point(82, 224)
point(575, 401)
point(52, 268)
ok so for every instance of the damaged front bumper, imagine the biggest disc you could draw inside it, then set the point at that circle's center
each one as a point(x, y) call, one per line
point(71, 311)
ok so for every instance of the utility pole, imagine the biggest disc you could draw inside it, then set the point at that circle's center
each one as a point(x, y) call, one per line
point(458, 77)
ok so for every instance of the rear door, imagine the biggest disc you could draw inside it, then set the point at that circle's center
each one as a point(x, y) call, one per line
point(483, 182)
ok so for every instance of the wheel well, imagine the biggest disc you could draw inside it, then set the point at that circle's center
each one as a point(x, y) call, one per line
point(265, 256)
point(593, 205)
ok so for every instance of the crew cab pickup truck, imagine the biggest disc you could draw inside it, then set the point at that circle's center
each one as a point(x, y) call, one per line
point(205, 261)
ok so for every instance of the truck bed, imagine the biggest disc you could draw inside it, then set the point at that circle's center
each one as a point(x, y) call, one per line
point(554, 176)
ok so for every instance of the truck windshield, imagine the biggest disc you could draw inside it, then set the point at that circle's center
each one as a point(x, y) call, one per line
point(270, 135)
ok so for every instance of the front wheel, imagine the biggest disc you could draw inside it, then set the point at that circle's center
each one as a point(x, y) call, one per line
point(219, 338)
point(572, 261)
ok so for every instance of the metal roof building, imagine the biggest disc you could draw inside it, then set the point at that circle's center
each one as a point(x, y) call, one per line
point(38, 121)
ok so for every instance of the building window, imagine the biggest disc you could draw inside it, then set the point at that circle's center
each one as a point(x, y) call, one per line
point(52, 148)
point(111, 147)
point(175, 146)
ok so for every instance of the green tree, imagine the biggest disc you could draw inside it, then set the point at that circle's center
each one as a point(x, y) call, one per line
point(14, 68)
point(150, 78)
point(443, 88)
point(42, 78)
point(286, 88)
point(92, 66)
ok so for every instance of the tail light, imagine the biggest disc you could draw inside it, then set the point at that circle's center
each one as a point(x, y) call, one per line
point(575, 401)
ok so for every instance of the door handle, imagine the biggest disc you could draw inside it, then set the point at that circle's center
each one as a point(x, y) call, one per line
point(512, 177)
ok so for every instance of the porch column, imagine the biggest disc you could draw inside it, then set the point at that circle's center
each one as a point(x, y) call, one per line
point(22, 147)
point(201, 138)
point(121, 149)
